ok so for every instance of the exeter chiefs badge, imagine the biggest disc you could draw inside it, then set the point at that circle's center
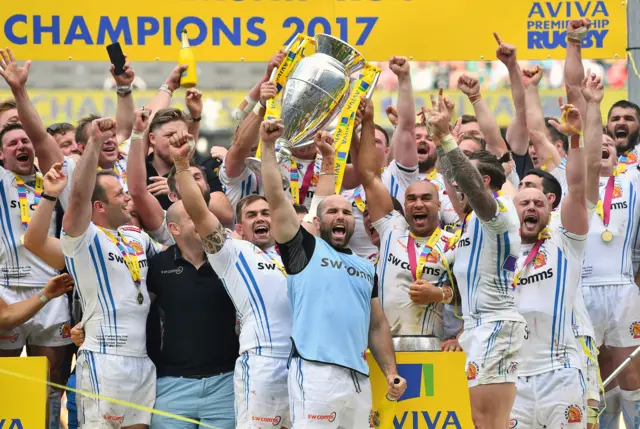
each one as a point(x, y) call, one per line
point(573, 414)
point(65, 330)
point(472, 371)
point(634, 329)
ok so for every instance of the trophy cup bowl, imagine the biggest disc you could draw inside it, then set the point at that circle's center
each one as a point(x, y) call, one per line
point(314, 94)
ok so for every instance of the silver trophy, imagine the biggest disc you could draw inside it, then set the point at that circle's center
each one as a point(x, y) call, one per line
point(314, 95)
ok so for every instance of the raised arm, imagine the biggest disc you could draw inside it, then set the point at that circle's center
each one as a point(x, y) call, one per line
point(193, 101)
point(593, 92)
point(403, 141)
point(46, 148)
point(36, 238)
point(546, 151)
point(379, 201)
point(517, 134)
point(284, 220)
point(78, 215)
point(16, 314)
point(253, 96)
point(455, 164)
point(208, 227)
point(148, 207)
point(124, 107)
point(248, 133)
point(574, 204)
point(470, 86)
point(162, 99)
point(573, 68)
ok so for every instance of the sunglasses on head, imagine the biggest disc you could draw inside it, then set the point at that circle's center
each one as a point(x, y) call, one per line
point(54, 128)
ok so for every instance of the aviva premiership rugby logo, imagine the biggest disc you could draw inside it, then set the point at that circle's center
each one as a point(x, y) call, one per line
point(420, 380)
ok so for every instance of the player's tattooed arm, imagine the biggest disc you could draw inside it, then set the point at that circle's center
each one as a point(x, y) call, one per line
point(456, 166)
point(213, 242)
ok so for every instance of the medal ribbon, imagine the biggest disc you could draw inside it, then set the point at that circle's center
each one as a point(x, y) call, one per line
point(431, 176)
point(604, 208)
point(418, 268)
point(277, 264)
point(130, 257)
point(299, 193)
point(344, 131)
point(625, 159)
point(357, 197)
point(122, 174)
point(374, 258)
point(542, 237)
point(294, 54)
point(458, 233)
point(22, 197)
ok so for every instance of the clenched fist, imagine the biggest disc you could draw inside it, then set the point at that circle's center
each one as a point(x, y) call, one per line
point(271, 130)
point(531, 76)
point(469, 85)
point(399, 66)
point(102, 130)
point(506, 53)
point(181, 146)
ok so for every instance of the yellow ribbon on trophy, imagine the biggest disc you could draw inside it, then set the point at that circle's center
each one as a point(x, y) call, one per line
point(344, 130)
point(295, 53)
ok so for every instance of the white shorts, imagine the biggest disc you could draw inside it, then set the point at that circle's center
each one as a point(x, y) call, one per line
point(261, 393)
point(48, 328)
point(492, 352)
point(615, 313)
point(127, 378)
point(328, 396)
point(550, 400)
point(591, 368)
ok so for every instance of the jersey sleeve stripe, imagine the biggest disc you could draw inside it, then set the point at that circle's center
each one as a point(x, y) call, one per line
point(384, 266)
point(258, 294)
point(563, 307)
point(246, 276)
point(252, 301)
point(498, 265)
point(557, 307)
point(507, 253)
point(96, 240)
point(71, 266)
point(101, 294)
point(6, 228)
point(95, 372)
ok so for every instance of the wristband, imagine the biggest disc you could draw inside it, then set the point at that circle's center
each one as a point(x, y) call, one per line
point(475, 97)
point(43, 298)
point(577, 36)
point(257, 109)
point(123, 90)
point(592, 415)
point(137, 135)
point(448, 143)
point(164, 87)
point(443, 295)
point(473, 103)
point(251, 103)
point(576, 141)
point(326, 173)
point(48, 197)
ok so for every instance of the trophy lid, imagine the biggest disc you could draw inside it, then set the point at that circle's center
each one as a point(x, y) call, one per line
point(351, 59)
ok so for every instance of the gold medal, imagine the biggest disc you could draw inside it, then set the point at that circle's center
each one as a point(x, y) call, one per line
point(607, 236)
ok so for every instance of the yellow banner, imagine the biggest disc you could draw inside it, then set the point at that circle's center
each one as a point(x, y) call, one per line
point(23, 405)
point(58, 105)
point(437, 395)
point(228, 30)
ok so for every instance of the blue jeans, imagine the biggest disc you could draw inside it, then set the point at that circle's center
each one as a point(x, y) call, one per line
point(72, 409)
point(209, 400)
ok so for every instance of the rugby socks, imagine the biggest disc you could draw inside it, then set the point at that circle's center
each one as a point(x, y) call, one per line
point(55, 398)
point(631, 407)
point(609, 418)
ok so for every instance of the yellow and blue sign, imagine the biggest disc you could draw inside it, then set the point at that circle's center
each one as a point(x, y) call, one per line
point(23, 405)
point(437, 396)
point(228, 30)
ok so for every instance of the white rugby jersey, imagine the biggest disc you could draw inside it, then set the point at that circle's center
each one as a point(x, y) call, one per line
point(20, 267)
point(239, 187)
point(359, 243)
point(114, 322)
point(120, 168)
point(560, 173)
point(395, 278)
point(610, 263)
point(258, 289)
point(397, 179)
point(546, 293)
point(485, 261)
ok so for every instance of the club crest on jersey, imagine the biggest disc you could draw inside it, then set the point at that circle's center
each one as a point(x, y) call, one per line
point(634, 329)
point(573, 414)
point(65, 330)
point(617, 192)
point(513, 423)
point(11, 338)
point(472, 371)
point(137, 247)
point(540, 260)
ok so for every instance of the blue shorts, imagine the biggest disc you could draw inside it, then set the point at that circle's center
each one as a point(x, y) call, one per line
point(209, 400)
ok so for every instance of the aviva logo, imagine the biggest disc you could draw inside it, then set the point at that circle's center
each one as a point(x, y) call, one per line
point(420, 380)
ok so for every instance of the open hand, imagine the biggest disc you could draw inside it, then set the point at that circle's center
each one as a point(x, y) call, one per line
point(15, 76)
point(592, 88)
point(160, 186)
point(440, 118)
point(141, 122)
point(58, 286)
point(571, 120)
point(55, 180)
